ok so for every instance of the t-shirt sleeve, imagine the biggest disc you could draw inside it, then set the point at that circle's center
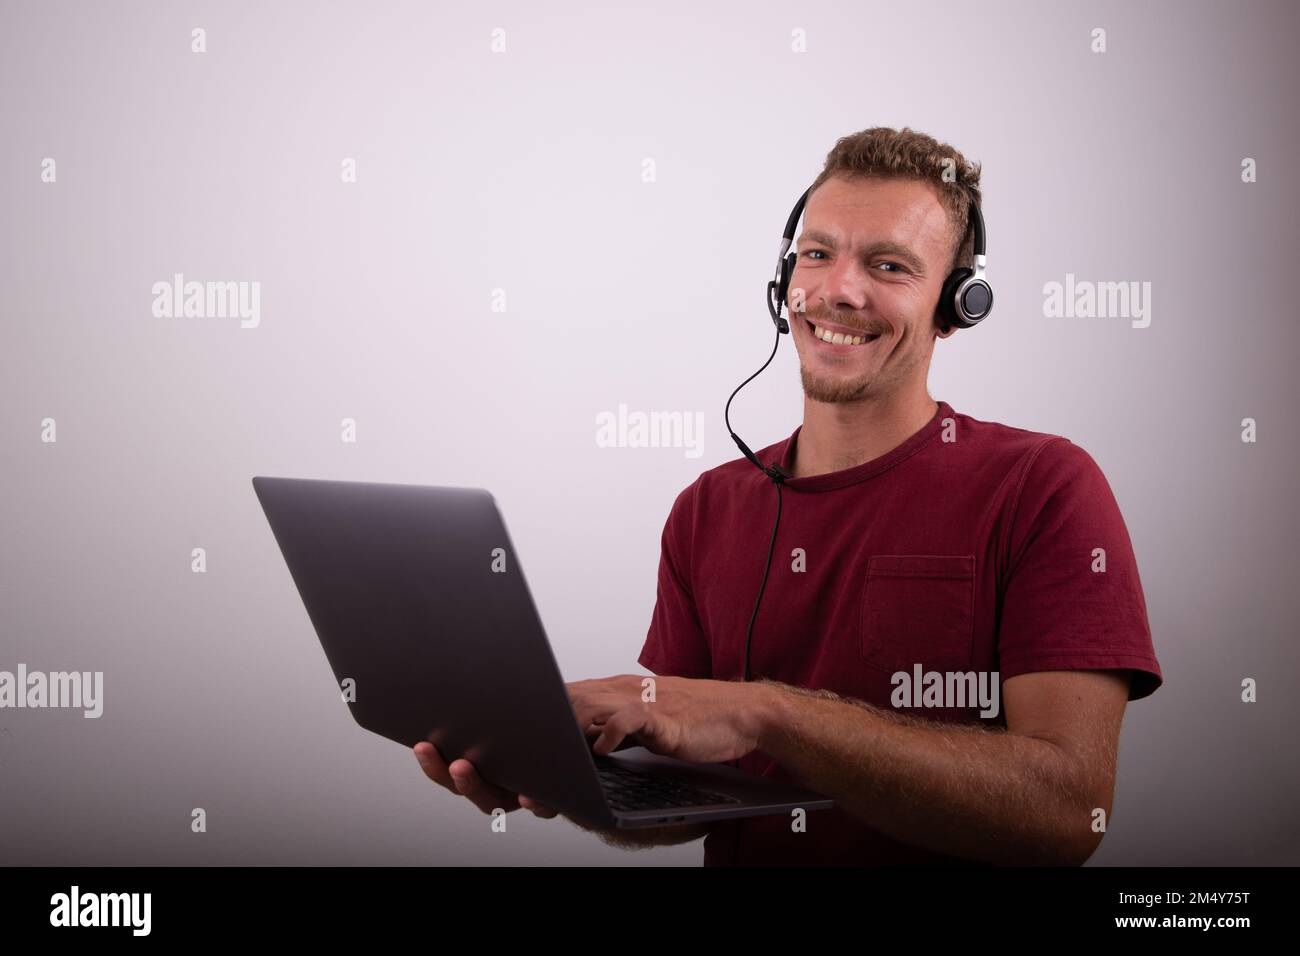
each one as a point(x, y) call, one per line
point(1061, 610)
point(676, 644)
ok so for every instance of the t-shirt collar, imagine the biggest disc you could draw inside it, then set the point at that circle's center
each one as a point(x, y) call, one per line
point(869, 469)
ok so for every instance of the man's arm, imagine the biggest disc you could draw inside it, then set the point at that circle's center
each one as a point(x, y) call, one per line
point(1023, 795)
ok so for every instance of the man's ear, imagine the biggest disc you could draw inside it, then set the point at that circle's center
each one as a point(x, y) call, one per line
point(940, 333)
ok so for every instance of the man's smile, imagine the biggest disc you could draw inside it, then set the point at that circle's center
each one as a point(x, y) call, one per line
point(838, 337)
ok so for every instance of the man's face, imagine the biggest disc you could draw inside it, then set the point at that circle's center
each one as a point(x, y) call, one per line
point(872, 258)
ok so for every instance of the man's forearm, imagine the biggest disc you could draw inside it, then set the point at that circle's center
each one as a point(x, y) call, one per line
point(963, 790)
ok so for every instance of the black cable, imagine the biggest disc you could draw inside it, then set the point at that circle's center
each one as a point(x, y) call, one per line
point(778, 476)
point(775, 472)
point(749, 636)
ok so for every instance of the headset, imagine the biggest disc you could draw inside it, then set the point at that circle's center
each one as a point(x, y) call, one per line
point(965, 301)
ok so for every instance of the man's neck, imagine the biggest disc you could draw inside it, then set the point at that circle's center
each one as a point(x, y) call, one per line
point(841, 435)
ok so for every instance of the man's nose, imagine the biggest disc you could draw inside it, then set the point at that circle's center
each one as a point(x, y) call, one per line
point(844, 287)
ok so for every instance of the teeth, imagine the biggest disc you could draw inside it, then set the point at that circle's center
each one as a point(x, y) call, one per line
point(837, 338)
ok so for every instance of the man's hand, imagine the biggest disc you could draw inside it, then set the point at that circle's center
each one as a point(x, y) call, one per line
point(705, 721)
point(462, 778)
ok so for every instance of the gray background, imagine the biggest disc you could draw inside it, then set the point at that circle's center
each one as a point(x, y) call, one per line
point(522, 171)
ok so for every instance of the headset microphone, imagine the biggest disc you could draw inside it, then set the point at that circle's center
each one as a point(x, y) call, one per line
point(965, 300)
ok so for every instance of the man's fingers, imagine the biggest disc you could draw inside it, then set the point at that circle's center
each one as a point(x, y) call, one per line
point(597, 708)
point(461, 777)
point(540, 810)
point(464, 780)
point(432, 764)
point(487, 797)
point(625, 723)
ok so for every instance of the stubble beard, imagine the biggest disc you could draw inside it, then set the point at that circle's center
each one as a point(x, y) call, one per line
point(823, 389)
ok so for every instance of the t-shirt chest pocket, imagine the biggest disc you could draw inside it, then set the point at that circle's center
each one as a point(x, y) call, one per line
point(918, 609)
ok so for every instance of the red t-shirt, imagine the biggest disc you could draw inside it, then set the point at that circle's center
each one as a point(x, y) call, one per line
point(969, 547)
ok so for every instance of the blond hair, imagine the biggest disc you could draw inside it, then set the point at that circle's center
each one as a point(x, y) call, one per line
point(885, 153)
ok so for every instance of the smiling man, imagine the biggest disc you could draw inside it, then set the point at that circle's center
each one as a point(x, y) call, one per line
point(914, 540)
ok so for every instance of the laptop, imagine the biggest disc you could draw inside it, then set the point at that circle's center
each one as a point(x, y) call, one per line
point(419, 600)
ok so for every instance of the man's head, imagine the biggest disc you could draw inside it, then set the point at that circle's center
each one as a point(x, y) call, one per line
point(882, 229)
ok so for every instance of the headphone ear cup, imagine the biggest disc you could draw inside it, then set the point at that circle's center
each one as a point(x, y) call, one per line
point(787, 273)
point(777, 291)
point(946, 311)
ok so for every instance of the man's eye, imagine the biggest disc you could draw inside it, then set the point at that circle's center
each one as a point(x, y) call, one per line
point(820, 252)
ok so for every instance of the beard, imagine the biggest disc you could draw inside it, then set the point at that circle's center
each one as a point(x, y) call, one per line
point(831, 389)
point(892, 374)
point(837, 388)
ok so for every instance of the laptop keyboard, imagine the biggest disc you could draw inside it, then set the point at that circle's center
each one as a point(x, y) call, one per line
point(628, 789)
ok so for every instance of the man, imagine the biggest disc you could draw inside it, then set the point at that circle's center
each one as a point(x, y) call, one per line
point(915, 540)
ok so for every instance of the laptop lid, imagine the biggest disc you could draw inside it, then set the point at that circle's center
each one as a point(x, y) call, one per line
point(418, 597)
